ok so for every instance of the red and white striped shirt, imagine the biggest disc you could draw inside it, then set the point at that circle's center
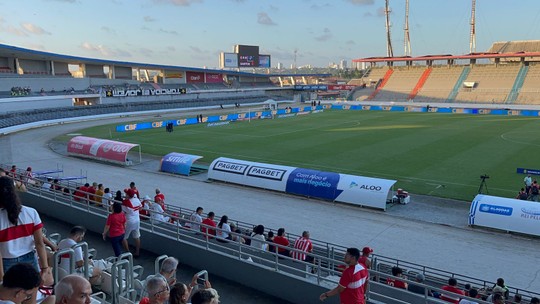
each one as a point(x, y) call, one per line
point(16, 241)
point(353, 279)
point(131, 208)
point(302, 244)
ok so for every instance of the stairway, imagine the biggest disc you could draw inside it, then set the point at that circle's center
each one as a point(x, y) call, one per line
point(381, 84)
point(459, 82)
point(420, 83)
point(520, 79)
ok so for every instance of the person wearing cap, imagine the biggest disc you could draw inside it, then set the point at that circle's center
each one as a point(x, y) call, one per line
point(364, 259)
point(131, 206)
point(157, 214)
point(160, 199)
point(417, 288)
point(351, 287)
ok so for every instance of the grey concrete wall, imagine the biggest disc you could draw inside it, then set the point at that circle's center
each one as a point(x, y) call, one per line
point(31, 103)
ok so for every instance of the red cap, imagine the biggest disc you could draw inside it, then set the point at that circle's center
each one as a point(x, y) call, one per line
point(367, 250)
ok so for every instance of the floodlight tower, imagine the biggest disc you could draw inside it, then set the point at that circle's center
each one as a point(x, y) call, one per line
point(389, 50)
point(407, 37)
point(472, 42)
point(295, 55)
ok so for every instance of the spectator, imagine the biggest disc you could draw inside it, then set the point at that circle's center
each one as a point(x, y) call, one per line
point(107, 197)
point(13, 172)
point(209, 221)
point(83, 192)
point(257, 238)
point(131, 206)
point(236, 237)
point(56, 185)
point(351, 287)
point(19, 248)
point(535, 300)
point(528, 182)
point(116, 227)
point(504, 289)
point(270, 241)
point(496, 290)
point(224, 233)
point(76, 236)
point(419, 289)
point(195, 220)
point(134, 189)
point(158, 291)
point(20, 284)
point(92, 192)
point(396, 272)
point(473, 293)
point(205, 296)
point(522, 195)
point(46, 184)
point(160, 199)
point(100, 192)
point(2, 172)
point(180, 292)
point(28, 176)
point(73, 289)
point(498, 298)
point(304, 246)
point(168, 270)
point(517, 298)
point(364, 259)
point(157, 214)
point(452, 287)
point(280, 239)
point(118, 196)
point(144, 212)
point(535, 190)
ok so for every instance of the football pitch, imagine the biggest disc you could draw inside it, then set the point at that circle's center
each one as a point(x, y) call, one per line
point(427, 153)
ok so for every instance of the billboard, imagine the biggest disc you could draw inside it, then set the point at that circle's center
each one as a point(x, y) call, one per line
point(264, 61)
point(101, 149)
point(194, 77)
point(178, 163)
point(506, 214)
point(248, 55)
point(213, 78)
point(228, 60)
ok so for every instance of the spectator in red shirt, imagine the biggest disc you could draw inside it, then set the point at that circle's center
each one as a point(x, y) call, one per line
point(452, 287)
point(209, 221)
point(92, 191)
point(351, 288)
point(116, 227)
point(396, 272)
point(280, 239)
point(134, 189)
point(364, 259)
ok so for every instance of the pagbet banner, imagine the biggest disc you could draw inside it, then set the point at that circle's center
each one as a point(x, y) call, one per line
point(505, 214)
point(358, 190)
point(101, 149)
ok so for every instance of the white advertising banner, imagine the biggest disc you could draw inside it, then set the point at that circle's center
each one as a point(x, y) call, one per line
point(358, 190)
point(506, 214)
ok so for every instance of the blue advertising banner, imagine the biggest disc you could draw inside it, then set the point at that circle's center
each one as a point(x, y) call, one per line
point(178, 163)
point(313, 183)
point(528, 171)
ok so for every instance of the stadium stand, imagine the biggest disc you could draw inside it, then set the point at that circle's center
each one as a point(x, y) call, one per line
point(529, 91)
point(328, 256)
point(492, 83)
point(439, 84)
point(400, 84)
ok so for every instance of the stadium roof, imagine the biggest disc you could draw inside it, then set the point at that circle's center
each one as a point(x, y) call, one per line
point(18, 52)
point(515, 46)
point(452, 57)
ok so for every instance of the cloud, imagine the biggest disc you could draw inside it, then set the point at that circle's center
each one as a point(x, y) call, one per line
point(149, 19)
point(362, 2)
point(179, 2)
point(263, 18)
point(108, 30)
point(350, 42)
point(326, 35)
point(34, 29)
point(104, 50)
point(171, 32)
point(318, 7)
point(146, 52)
point(13, 30)
point(196, 49)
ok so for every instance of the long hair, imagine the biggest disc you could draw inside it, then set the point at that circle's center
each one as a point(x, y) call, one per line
point(9, 199)
point(177, 292)
point(224, 220)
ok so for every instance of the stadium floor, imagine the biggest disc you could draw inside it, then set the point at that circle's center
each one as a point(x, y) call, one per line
point(429, 231)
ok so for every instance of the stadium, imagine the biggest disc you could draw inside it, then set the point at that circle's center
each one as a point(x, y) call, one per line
point(302, 151)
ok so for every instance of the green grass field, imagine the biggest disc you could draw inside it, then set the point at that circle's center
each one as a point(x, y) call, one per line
point(427, 153)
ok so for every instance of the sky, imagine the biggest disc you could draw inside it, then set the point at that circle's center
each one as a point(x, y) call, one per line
point(193, 32)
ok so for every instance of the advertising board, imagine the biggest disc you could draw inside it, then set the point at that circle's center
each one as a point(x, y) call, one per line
point(248, 55)
point(101, 149)
point(213, 78)
point(178, 163)
point(194, 77)
point(506, 214)
point(264, 61)
point(229, 60)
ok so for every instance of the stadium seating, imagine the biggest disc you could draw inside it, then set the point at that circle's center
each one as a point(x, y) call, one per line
point(493, 83)
point(530, 90)
point(439, 84)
